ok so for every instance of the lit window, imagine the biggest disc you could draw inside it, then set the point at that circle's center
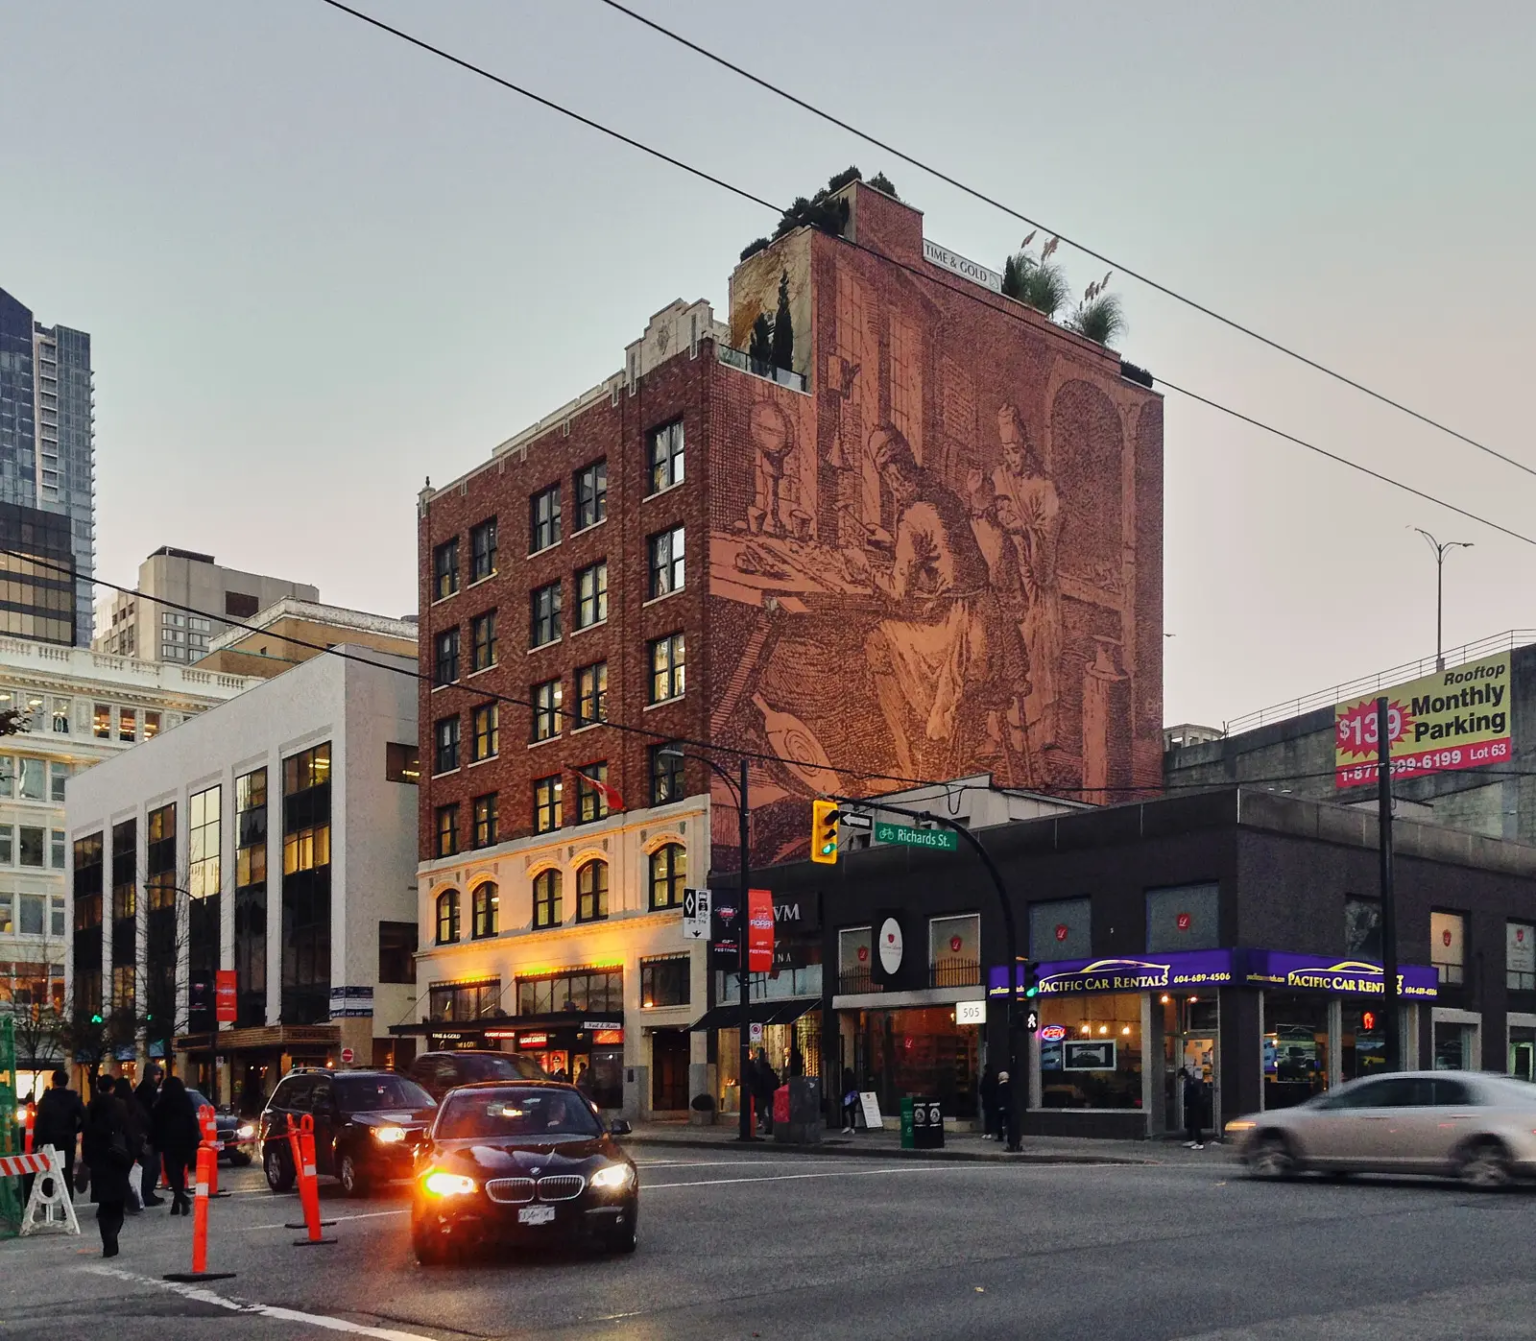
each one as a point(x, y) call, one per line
point(447, 830)
point(546, 804)
point(483, 632)
point(485, 820)
point(482, 550)
point(592, 694)
point(445, 569)
point(667, 668)
point(546, 710)
point(485, 744)
point(669, 872)
point(592, 892)
point(546, 899)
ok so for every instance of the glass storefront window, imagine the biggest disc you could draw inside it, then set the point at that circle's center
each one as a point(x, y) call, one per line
point(1295, 1048)
point(1522, 1052)
point(1096, 1062)
point(1453, 1046)
point(1363, 1043)
point(919, 1051)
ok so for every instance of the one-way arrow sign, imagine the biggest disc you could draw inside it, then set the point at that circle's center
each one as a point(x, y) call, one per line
point(696, 904)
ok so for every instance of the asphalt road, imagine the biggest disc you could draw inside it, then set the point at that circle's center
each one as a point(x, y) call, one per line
point(776, 1245)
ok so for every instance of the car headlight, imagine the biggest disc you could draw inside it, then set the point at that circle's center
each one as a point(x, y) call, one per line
point(613, 1176)
point(440, 1184)
point(1241, 1124)
point(389, 1135)
point(245, 1133)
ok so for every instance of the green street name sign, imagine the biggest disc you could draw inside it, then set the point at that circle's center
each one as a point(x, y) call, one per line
point(940, 840)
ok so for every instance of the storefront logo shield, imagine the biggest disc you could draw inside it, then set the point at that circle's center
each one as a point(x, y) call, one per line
point(890, 945)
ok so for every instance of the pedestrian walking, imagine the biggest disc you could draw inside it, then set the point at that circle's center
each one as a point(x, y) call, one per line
point(109, 1159)
point(149, 1156)
point(136, 1126)
point(767, 1087)
point(60, 1119)
point(987, 1089)
point(176, 1137)
point(850, 1100)
point(1007, 1131)
point(1194, 1107)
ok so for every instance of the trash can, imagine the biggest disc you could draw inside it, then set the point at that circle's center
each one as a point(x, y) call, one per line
point(927, 1124)
point(908, 1125)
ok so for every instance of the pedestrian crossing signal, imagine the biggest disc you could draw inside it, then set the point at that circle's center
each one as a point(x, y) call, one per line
point(824, 832)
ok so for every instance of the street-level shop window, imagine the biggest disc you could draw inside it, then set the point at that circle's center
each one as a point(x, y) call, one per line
point(1455, 1046)
point(546, 804)
point(448, 917)
point(578, 989)
point(482, 550)
point(591, 494)
point(1447, 947)
point(397, 952)
point(1295, 1047)
point(462, 1001)
point(486, 902)
point(665, 981)
point(1362, 1041)
point(447, 830)
point(669, 873)
point(445, 569)
point(666, 456)
point(1520, 957)
point(546, 899)
point(592, 892)
point(1091, 1051)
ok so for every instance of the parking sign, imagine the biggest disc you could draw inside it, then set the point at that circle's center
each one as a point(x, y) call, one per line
point(696, 904)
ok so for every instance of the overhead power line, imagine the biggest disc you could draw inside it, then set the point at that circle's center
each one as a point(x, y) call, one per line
point(927, 276)
point(1230, 322)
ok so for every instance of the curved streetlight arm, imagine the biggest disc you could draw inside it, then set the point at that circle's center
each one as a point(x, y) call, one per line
point(705, 759)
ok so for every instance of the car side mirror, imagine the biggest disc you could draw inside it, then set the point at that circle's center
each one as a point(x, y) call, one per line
point(619, 1127)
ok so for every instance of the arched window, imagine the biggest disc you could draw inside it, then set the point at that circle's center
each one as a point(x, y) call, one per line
point(448, 917)
point(669, 871)
point(486, 901)
point(592, 892)
point(546, 899)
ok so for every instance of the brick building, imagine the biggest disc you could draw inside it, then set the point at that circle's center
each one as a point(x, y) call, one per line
point(923, 539)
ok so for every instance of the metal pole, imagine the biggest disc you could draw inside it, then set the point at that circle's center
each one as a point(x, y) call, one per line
point(745, 1133)
point(1439, 608)
point(1388, 906)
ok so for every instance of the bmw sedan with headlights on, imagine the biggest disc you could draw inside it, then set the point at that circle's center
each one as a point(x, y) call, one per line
point(520, 1164)
point(1478, 1128)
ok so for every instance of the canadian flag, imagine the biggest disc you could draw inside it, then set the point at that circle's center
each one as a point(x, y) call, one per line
point(610, 795)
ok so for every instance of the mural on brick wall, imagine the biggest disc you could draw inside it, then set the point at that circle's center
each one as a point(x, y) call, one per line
point(944, 560)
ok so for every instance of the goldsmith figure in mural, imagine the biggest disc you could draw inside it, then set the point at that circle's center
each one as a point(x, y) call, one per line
point(949, 668)
point(1017, 521)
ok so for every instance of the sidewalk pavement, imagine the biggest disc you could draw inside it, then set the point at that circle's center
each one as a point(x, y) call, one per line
point(958, 1146)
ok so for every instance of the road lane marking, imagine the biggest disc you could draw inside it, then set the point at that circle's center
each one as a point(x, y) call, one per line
point(202, 1295)
point(363, 1215)
point(788, 1177)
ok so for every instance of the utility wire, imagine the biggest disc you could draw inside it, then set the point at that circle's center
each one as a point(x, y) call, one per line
point(999, 305)
point(1165, 290)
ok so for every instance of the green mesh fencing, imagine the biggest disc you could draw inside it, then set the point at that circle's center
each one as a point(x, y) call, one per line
point(10, 1133)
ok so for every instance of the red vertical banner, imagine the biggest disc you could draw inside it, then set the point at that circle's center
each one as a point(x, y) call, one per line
point(225, 1011)
point(759, 931)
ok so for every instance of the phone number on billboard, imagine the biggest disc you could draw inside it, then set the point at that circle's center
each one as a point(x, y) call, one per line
point(1432, 761)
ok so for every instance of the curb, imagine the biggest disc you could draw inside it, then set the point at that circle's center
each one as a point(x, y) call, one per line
point(871, 1152)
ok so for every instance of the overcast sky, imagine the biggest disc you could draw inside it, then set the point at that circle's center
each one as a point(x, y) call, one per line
point(319, 265)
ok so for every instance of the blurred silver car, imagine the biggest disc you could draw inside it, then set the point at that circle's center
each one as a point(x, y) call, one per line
point(1479, 1128)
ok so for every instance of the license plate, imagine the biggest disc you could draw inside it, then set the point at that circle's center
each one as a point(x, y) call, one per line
point(535, 1215)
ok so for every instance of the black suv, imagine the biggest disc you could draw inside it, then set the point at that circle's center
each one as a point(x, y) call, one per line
point(439, 1072)
point(368, 1126)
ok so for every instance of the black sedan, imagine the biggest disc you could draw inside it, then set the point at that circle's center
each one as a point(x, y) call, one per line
point(237, 1135)
point(522, 1163)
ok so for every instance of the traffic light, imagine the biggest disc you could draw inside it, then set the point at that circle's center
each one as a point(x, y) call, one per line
point(824, 832)
point(97, 1018)
point(1030, 981)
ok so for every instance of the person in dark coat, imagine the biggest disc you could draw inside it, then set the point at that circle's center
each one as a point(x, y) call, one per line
point(987, 1089)
point(850, 1100)
point(149, 1157)
point(138, 1135)
point(767, 1087)
point(1006, 1130)
point(176, 1137)
point(1194, 1107)
point(60, 1119)
point(108, 1157)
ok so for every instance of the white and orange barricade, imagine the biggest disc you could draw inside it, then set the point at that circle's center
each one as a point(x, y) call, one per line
point(49, 1208)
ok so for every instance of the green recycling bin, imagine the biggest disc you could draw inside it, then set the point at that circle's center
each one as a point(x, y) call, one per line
point(908, 1126)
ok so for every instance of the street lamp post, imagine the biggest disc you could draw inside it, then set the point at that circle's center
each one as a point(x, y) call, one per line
point(739, 790)
point(1440, 587)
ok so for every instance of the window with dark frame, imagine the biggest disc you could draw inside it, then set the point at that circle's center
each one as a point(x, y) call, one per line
point(592, 595)
point(448, 830)
point(482, 550)
point(668, 677)
point(666, 456)
point(546, 899)
point(546, 710)
point(445, 569)
point(485, 820)
point(544, 615)
point(402, 762)
point(592, 694)
point(544, 519)
point(397, 952)
point(485, 904)
point(665, 550)
point(592, 892)
point(669, 873)
point(591, 802)
point(591, 495)
point(486, 742)
point(584, 989)
point(665, 981)
point(446, 737)
point(448, 917)
point(666, 775)
point(483, 632)
point(546, 804)
point(445, 657)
